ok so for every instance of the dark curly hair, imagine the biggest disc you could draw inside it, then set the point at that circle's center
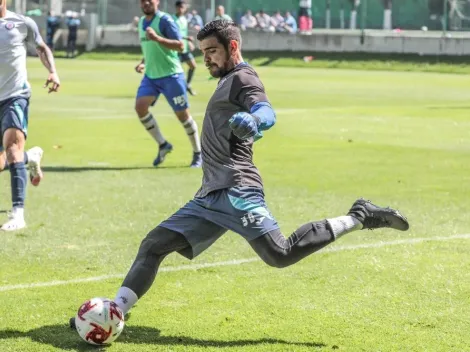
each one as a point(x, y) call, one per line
point(225, 31)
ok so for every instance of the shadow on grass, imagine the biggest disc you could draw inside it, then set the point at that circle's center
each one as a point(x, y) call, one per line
point(61, 336)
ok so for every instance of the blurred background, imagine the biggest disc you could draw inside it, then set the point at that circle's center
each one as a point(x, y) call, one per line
point(373, 14)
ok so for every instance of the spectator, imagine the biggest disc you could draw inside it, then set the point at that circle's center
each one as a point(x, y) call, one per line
point(248, 20)
point(264, 21)
point(290, 24)
point(221, 15)
point(73, 23)
point(196, 21)
point(305, 15)
point(277, 21)
point(52, 25)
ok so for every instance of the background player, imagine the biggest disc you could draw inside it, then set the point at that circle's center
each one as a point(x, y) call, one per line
point(186, 56)
point(161, 41)
point(232, 196)
point(15, 32)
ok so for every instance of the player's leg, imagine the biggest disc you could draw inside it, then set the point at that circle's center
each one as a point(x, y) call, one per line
point(244, 211)
point(33, 157)
point(14, 122)
point(3, 157)
point(154, 248)
point(174, 89)
point(73, 46)
point(147, 95)
point(191, 62)
point(280, 252)
point(186, 232)
point(13, 142)
point(14, 114)
point(69, 46)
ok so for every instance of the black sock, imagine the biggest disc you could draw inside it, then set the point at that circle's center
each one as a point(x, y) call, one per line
point(190, 75)
point(18, 184)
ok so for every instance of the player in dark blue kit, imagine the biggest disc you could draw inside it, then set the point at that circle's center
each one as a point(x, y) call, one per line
point(232, 196)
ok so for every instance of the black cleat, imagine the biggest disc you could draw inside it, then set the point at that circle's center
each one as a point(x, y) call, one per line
point(190, 90)
point(197, 160)
point(373, 217)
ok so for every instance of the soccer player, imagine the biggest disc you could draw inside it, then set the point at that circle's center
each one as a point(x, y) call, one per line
point(73, 22)
point(186, 55)
point(161, 41)
point(231, 196)
point(15, 32)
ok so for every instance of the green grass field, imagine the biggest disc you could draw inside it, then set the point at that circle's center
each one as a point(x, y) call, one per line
point(397, 138)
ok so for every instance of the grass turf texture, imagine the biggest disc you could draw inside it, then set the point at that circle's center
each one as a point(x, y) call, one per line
point(396, 138)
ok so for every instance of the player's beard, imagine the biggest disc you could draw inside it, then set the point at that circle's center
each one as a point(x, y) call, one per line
point(222, 71)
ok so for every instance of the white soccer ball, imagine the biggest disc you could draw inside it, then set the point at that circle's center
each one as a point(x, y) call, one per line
point(99, 321)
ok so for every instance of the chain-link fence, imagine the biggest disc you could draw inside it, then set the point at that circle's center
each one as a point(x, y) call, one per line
point(352, 14)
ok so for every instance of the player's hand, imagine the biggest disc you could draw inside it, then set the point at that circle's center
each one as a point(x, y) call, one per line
point(243, 125)
point(190, 39)
point(151, 34)
point(52, 83)
point(140, 68)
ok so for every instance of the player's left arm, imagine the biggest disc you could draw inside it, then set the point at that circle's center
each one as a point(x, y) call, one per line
point(171, 38)
point(47, 58)
point(248, 92)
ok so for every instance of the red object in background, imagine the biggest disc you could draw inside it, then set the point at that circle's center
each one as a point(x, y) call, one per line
point(305, 23)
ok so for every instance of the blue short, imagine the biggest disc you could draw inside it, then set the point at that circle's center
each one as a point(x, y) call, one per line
point(172, 87)
point(186, 56)
point(13, 114)
point(203, 220)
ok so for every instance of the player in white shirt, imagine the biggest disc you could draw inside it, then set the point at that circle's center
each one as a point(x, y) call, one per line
point(16, 32)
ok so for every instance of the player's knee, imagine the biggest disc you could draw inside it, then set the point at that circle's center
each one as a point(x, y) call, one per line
point(278, 261)
point(273, 249)
point(141, 108)
point(14, 153)
point(183, 115)
point(160, 242)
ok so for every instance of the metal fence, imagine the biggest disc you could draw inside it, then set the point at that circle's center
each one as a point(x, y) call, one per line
point(370, 14)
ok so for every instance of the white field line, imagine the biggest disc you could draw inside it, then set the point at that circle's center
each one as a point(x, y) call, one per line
point(84, 114)
point(233, 262)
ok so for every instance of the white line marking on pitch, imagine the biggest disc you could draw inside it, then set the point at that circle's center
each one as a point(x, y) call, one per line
point(233, 262)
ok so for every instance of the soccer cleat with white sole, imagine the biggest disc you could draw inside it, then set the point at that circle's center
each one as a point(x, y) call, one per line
point(15, 223)
point(34, 161)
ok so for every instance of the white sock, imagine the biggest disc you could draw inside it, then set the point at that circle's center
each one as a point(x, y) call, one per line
point(18, 213)
point(190, 126)
point(151, 126)
point(344, 224)
point(125, 299)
